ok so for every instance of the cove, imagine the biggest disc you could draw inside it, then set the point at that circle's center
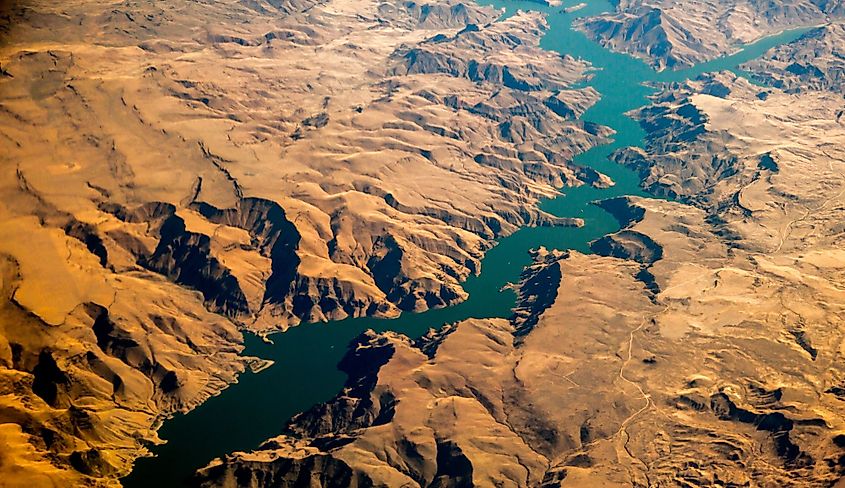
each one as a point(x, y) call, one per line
point(305, 373)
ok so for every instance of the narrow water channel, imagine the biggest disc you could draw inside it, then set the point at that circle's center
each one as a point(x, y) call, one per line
point(305, 372)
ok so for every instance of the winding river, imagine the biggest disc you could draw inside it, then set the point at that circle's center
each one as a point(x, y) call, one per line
point(305, 373)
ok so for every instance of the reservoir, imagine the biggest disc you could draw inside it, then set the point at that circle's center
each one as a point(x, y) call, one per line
point(305, 372)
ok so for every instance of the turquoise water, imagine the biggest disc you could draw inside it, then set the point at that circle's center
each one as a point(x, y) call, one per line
point(305, 373)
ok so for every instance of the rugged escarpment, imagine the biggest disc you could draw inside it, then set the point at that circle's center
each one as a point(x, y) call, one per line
point(701, 345)
point(669, 34)
point(815, 61)
point(411, 399)
point(744, 153)
point(716, 375)
point(341, 158)
point(175, 171)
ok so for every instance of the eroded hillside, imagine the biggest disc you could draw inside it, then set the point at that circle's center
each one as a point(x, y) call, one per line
point(701, 346)
point(173, 172)
point(672, 34)
point(816, 61)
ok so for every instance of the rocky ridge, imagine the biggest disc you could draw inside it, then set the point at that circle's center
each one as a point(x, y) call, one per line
point(181, 174)
point(672, 35)
point(815, 61)
point(701, 344)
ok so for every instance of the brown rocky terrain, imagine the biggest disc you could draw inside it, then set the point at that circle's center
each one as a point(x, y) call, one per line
point(816, 61)
point(174, 172)
point(701, 346)
point(671, 34)
point(177, 172)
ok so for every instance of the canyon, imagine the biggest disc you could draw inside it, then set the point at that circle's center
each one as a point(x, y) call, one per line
point(183, 178)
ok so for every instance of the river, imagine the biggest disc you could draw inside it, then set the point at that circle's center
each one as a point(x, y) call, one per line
point(305, 372)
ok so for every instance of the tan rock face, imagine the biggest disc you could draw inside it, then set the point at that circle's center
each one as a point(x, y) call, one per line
point(761, 166)
point(814, 62)
point(701, 346)
point(358, 166)
point(672, 34)
point(176, 170)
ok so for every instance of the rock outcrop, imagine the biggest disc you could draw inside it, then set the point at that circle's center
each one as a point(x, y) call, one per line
point(672, 35)
point(815, 61)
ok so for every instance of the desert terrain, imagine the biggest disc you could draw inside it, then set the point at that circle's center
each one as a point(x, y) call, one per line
point(814, 62)
point(701, 345)
point(674, 34)
point(176, 174)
